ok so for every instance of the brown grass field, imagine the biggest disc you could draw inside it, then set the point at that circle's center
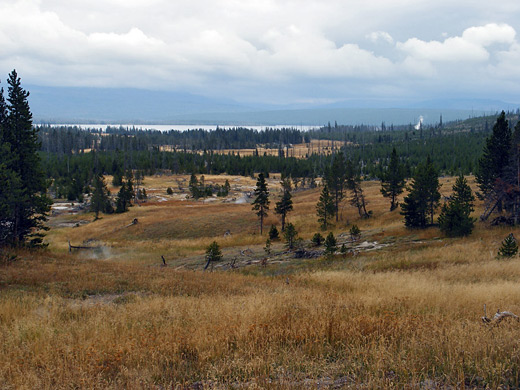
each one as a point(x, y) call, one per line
point(406, 315)
point(303, 150)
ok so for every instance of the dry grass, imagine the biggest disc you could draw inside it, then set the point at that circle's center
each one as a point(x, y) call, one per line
point(407, 316)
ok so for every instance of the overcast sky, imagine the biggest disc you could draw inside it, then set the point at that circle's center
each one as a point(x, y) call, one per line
point(273, 51)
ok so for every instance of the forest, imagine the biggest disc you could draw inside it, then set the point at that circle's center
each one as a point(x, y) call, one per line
point(68, 153)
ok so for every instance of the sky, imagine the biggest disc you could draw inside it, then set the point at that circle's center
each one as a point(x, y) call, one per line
point(269, 51)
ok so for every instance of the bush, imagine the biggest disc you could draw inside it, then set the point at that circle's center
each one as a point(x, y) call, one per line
point(169, 191)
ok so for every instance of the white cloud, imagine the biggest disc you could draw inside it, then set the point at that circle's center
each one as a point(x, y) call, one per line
point(377, 36)
point(470, 47)
point(244, 48)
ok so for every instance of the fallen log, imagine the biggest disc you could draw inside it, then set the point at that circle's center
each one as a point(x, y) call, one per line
point(498, 317)
point(76, 247)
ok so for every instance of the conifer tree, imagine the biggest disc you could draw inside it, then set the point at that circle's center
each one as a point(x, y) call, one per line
point(325, 208)
point(335, 177)
point(419, 205)
point(213, 254)
point(100, 201)
point(23, 217)
point(493, 163)
point(125, 194)
point(509, 247)
point(261, 202)
point(455, 219)
point(392, 181)
point(273, 233)
point(285, 204)
point(357, 197)
point(330, 244)
point(290, 235)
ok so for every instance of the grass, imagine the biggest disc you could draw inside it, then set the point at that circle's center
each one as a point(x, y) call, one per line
point(405, 316)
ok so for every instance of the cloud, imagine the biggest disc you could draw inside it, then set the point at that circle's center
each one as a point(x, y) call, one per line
point(470, 47)
point(378, 36)
point(257, 49)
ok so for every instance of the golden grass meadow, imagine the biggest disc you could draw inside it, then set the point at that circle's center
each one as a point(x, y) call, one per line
point(405, 314)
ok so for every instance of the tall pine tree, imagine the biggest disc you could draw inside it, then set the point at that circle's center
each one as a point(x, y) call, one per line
point(285, 204)
point(492, 165)
point(455, 219)
point(261, 202)
point(335, 179)
point(23, 211)
point(419, 205)
point(392, 181)
point(325, 208)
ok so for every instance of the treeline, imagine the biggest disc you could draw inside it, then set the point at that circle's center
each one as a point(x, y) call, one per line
point(69, 154)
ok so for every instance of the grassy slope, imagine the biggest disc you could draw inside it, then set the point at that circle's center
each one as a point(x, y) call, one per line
point(406, 315)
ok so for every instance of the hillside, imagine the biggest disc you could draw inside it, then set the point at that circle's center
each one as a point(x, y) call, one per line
point(400, 309)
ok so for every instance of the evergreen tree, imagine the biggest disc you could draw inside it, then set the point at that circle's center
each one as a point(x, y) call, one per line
point(509, 247)
point(419, 205)
point(355, 232)
point(213, 254)
point(325, 208)
point(20, 171)
point(261, 202)
point(330, 244)
point(273, 233)
point(317, 239)
point(392, 181)
point(285, 204)
point(100, 201)
point(493, 163)
point(194, 187)
point(125, 195)
point(335, 179)
point(357, 197)
point(455, 219)
point(290, 235)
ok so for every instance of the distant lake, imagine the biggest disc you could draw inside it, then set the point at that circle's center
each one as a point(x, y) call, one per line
point(103, 127)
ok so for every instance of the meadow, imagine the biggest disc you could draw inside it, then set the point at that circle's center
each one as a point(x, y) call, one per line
point(406, 314)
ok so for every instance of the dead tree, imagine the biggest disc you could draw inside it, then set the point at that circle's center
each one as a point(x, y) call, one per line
point(498, 317)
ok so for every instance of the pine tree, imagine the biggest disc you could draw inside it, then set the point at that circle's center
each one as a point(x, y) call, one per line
point(194, 187)
point(317, 239)
point(21, 174)
point(273, 233)
point(285, 204)
point(355, 232)
point(325, 208)
point(125, 194)
point(419, 205)
point(392, 181)
point(492, 164)
point(261, 202)
point(290, 235)
point(455, 219)
point(509, 247)
point(330, 244)
point(213, 254)
point(100, 201)
point(357, 197)
point(335, 180)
